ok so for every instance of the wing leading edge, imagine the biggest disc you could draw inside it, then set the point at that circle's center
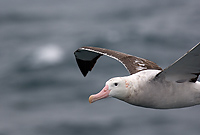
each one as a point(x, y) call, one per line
point(186, 68)
point(86, 58)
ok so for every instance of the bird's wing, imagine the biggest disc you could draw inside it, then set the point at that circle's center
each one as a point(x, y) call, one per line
point(186, 68)
point(86, 58)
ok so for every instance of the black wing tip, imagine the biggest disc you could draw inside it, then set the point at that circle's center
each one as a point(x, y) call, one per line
point(84, 74)
point(80, 63)
point(82, 66)
point(85, 65)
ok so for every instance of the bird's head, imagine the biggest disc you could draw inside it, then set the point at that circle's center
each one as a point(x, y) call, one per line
point(115, 87)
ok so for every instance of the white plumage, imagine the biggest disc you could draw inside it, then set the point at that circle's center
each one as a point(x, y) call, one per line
point(142, 89)
point(148, 85)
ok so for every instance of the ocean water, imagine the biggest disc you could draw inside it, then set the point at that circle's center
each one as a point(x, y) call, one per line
point(42, 91)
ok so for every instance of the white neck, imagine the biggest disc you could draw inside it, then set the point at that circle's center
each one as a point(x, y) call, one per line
point(147, 92)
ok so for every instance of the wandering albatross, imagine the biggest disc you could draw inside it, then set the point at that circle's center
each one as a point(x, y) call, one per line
point(148, 85)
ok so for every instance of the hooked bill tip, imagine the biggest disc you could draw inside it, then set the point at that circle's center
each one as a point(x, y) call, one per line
point(91, 99)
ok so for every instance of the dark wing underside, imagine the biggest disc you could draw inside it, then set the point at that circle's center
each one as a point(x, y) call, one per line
point(86, 58)
point(186, 68)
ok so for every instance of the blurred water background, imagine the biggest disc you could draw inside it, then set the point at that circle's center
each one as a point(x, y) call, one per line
point(42, 91)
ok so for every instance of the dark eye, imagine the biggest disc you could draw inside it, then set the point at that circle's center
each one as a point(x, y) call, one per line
point(115, 84)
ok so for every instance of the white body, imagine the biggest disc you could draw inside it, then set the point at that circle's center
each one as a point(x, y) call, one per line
point(146, 91)
point(148, 85)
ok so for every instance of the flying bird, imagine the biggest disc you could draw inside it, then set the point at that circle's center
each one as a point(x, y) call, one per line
point(148, 85)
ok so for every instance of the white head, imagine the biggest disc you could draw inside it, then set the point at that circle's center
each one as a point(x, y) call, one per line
point(115, 87)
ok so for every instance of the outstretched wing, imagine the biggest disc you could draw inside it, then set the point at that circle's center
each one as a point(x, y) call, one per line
point(186, 68)
point(86, 58)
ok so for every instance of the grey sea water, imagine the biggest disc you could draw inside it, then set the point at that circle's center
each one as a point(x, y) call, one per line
point(42, 91)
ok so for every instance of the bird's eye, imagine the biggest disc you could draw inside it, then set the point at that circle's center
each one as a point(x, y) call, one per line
point(115, 84)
